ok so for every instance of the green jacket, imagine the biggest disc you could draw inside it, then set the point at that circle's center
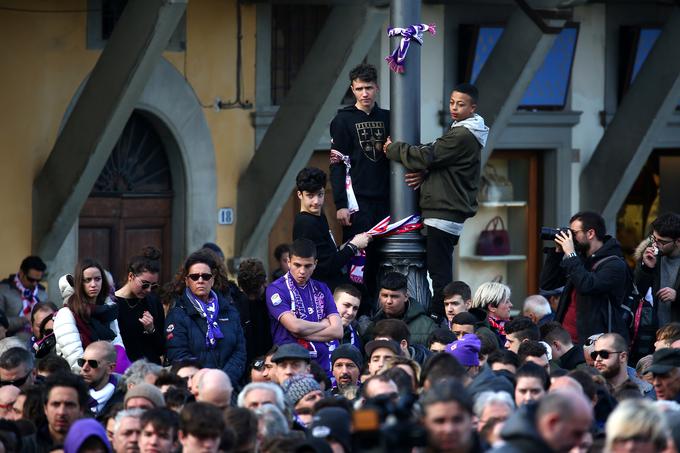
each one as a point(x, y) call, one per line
point(449, 191)
point(420, 326)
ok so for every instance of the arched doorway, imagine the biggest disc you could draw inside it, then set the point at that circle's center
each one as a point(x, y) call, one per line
point(130, 206)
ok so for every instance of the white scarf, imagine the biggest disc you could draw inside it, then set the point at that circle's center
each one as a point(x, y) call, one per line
point(103, 395)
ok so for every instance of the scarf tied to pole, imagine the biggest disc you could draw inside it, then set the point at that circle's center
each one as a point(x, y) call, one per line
point(414, 32)
point(382, 229)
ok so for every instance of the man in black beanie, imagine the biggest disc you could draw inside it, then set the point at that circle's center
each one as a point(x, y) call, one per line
point(346, 363)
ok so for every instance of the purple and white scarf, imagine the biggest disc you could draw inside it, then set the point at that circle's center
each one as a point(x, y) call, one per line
point(207, 310)
point(297, 305)
point(28, 298)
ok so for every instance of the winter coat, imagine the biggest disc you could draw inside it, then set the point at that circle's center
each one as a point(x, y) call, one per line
point(520, 434)
point(69, 345)
point(650, 277)
point(449, 191)
point(11, 304)
point(186, 336)
point(420, 326)
point(599, 292)
point(572, 359)
point(487, 380)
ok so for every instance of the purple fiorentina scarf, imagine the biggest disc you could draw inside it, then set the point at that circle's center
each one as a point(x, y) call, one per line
point(297, 305)
point(207, 310)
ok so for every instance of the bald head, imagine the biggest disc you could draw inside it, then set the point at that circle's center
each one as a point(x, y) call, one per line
point(562, 418)
point(214, 387)
point(565, 383)
point(104, 350)
point(195, 379)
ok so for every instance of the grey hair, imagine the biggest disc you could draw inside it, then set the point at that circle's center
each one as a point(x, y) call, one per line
point(537, 304)
point(273, 424)
point(490, 397)
point(136, 373)
point(134, 413)
point(490, 293)
point(275, 389)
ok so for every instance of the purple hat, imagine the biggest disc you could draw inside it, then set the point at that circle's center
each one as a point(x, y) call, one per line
point(466, 350)
point(82, 430)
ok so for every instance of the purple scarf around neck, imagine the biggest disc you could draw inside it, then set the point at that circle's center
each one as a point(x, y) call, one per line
point(207, 310)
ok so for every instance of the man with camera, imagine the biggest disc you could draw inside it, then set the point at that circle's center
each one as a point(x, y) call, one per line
point(590, 266)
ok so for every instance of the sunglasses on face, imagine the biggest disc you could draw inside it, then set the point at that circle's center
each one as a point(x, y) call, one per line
point(195, 277)
point(33, 280)
point(604, 354)
point(91, 362)
point(16, 382)
point(147, 285)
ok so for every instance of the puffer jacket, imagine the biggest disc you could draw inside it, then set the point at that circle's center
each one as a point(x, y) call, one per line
point(185, 337)
point(67, 335)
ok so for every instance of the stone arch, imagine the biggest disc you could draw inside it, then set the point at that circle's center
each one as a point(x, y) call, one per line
point(172, 106)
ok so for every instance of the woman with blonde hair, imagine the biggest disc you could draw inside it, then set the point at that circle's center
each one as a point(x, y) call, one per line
point(636, 425)
point(494, 299)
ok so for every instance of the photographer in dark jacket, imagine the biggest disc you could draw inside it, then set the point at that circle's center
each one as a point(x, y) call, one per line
point(589, 265)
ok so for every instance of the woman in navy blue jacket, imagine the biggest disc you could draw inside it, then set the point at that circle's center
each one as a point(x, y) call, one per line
point(204, 324)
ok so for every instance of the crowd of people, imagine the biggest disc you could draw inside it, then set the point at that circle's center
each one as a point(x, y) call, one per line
point(330, 354)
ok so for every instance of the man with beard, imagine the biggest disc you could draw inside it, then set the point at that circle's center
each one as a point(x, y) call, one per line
point(96, 368)
point(346, 366)
point(589, 264)
point(611, 358)
point(65, 399)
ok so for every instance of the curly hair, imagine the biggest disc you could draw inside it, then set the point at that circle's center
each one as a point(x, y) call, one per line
point(251, 276)
point(210, 259)
point(311, 180)
point(364, 72)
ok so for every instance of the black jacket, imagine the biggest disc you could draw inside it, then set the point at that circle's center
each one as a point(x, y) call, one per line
point(599, 293)
point(185, 337)
point(571, 359)
point(520, 434)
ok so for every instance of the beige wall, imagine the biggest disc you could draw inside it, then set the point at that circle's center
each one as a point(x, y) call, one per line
point(46, 60)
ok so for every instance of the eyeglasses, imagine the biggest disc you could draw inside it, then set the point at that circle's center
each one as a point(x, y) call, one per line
point(16, 382)
point(147, 285)
point(91, 362)
point(655, 240)
point(604, 354)
point(195, 277)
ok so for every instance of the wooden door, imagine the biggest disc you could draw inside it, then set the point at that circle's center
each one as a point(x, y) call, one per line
point(130, 206)
point(113, 230)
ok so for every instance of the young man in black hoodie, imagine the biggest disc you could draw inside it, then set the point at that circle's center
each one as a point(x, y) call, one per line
point(358, 134)
point(448, 194)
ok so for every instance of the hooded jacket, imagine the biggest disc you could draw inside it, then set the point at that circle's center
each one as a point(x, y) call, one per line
point(599, 292)
point(185, 337)
point(453, 165)
point(420, 326)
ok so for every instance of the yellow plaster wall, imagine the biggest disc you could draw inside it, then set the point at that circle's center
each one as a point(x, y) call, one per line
point(45, 59)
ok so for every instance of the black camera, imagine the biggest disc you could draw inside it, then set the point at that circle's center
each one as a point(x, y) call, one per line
point(549, 234)
point(388, 424)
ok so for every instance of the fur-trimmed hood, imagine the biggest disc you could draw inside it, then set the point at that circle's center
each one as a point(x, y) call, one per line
point(639, 250)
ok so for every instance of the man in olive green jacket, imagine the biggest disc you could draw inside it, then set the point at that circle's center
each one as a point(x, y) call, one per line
point(451, 173)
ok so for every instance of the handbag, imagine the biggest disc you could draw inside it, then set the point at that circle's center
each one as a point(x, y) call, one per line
point(494, 240)
point(495, 187)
